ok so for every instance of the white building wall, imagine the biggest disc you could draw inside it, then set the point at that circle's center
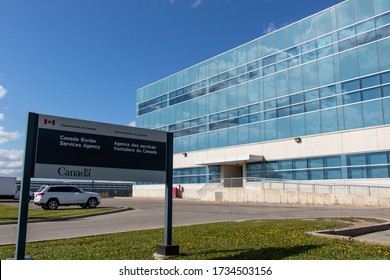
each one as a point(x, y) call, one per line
point(346, 142)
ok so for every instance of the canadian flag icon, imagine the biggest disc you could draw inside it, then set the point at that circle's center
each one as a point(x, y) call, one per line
point(46, 121)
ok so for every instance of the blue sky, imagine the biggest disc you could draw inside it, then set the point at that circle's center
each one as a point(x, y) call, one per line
point(86, 58)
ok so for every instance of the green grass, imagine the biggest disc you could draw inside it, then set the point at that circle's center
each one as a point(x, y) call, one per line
point(256, 240)
point(10, 213)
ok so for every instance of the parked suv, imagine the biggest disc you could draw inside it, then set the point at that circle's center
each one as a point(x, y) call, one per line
point(50, 197)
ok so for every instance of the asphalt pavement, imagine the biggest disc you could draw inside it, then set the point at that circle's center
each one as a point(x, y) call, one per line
point(142, 214)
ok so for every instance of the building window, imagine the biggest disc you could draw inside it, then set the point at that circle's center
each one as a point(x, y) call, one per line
point(370, 165)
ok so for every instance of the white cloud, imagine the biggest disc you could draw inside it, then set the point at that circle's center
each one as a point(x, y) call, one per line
point(193, 3)
point(132, 123)
point(270, 28)
point(273, 26)
point(196, 3)
point(11, 162)
point(8, 136)
point(2, 116)
point(3, 91)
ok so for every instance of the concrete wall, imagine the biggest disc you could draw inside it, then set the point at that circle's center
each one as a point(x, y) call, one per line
point(243, 195)
point(158, 191)
point(280, 193)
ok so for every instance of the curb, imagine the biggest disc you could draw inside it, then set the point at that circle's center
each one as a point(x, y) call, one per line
point(71, 217)
point(351, 233)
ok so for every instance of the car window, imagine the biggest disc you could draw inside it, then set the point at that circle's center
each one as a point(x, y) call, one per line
point(57, 189)
point(74, 189)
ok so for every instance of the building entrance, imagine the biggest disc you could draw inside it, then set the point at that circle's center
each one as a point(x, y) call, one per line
point(232, 175)
point(233, 168)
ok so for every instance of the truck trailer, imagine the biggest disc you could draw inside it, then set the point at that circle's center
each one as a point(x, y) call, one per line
point(8, 187)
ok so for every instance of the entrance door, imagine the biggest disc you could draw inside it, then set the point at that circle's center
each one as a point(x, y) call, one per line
point(232, 175)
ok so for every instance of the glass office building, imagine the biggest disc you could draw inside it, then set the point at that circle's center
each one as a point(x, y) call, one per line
point(310, 101)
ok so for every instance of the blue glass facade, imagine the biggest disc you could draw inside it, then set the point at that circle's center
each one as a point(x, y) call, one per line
point(354, 166)
point(327, 73)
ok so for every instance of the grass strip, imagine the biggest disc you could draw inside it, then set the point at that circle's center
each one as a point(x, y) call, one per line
point(10, 213)
point(250, 240)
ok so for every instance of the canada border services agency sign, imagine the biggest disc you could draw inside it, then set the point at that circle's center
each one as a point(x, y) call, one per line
point(78, 149)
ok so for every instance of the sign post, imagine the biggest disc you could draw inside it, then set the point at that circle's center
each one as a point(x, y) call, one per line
point(168, 249)
point(29, 155)
point(63, 148)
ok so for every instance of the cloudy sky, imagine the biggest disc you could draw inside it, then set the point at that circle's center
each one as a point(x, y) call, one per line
point(86, 59)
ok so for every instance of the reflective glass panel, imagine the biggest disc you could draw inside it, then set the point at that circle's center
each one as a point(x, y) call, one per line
point(293, 34)
point(372, 113)
point(326, 71)
point(232, 136)
point(300, 163)
point(368, 59)
point(296, 98)
point(333, 173)
point(371, 93)
point(349, 65)
point(270, 130)
point(384, 54)
point(363, 9)
point(323, 23)
point(353, 116)
point(316, 162)
point(313, 123)
point(329, 121)
point(377, 158)
point(301, 175)
point(310, 75)
point(351, 86)
point(370, 81)
point(284, 130)
point(344, 14)
point(295, 79)
point(333, 161)
point(359, 159)
point(298, 126)
point(357, 172)
point(385, 78)
point(378, 172)
point(316, 174)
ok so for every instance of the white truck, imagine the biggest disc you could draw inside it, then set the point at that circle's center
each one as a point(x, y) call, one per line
point(8, 187)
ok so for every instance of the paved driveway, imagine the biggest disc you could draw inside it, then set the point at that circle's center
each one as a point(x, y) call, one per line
point(149, 214)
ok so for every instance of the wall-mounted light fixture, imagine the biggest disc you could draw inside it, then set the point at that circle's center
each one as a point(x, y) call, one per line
point(185, 154)
point(298, 140)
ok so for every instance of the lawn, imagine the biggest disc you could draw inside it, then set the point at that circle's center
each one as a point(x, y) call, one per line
point(10, 213)
point(250, 240)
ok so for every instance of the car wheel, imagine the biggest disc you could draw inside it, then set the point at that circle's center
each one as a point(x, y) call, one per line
point(52, 204)
point(92, 202)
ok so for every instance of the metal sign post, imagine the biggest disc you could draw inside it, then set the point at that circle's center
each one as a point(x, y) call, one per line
point(168, 249)
point(29, 157)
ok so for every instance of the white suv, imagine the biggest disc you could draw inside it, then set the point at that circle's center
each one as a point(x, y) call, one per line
point(50, 197)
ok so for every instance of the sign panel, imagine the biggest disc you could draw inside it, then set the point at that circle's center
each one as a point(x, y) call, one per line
point(79, 149)
point(66, 148)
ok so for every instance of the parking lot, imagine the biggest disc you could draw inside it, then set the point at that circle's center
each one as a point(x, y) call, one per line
point(149, 214)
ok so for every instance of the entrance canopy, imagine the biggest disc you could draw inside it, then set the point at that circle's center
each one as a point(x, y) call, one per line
point(230, 160)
